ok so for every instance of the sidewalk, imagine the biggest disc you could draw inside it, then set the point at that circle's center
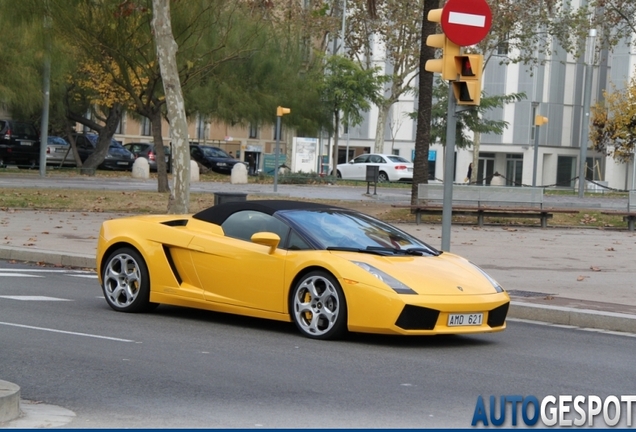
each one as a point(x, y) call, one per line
point(581, 277)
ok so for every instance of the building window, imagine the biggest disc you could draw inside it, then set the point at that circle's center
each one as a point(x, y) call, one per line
point(282, 133)
point(395, 152)
point(146, 129)
point(200, 128)
point(566, 171)
point(514, 169)
point(253, 132)
point(532, 125)
point(120, 126)
point(503, 47)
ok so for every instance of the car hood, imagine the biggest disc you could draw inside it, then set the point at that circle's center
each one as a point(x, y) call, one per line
point(446, 274)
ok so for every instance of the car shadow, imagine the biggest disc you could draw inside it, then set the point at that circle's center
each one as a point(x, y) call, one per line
point(288, 328)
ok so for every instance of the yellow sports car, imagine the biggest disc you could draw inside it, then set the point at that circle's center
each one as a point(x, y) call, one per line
point(325, 268)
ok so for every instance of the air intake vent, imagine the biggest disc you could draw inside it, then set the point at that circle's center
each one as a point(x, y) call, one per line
point(497, 316)
point(417, 318)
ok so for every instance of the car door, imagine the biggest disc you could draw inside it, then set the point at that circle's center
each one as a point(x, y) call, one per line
point(358, 169)
point(234, 270)
point(84, 147)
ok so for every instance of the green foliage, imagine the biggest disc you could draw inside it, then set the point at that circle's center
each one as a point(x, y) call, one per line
point(469, 120)
point(613, 130)
point(348, 88)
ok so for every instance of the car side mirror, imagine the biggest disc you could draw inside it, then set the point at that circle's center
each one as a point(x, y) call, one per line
point(266, 239)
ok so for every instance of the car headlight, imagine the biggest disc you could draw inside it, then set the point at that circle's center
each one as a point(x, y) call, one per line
point(494, 283)
point(395, 284)
point(108, 156)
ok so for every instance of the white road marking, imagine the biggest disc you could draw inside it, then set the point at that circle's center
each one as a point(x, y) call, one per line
point(20, 275)
point(571, 327)
point(66, 332)
point(467, 19)
point(88, 276)
point(45, 270)
point(33, 298)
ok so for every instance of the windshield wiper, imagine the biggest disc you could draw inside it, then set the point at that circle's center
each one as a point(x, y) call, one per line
point(379, 251)
point(416, 251)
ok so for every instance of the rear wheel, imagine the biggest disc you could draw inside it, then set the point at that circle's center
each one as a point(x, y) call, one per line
point(318, 306)
point(383, 177)
point(126, 282)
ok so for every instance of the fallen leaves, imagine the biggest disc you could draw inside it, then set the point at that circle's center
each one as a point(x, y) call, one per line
point(581, 278)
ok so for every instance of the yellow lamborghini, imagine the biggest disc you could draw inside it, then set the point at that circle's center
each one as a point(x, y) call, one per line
point(327, 269)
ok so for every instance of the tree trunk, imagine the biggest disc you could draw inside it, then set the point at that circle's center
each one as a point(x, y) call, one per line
point(160, 154)
point(334, 170)
point(167, 54)
point(476, 144)
point(106, 134)
point(423, 131)
point(383, 111)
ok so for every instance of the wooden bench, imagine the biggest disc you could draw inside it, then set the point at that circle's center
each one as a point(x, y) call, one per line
point(482, 201)
point(629, 216)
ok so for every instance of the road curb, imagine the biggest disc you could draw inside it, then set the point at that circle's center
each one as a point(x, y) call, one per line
point(9, 401)
point(587, 318)
point(50, 257)
point(603, 320)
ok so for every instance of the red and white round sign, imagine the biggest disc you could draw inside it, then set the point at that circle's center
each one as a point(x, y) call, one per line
point(466, 22)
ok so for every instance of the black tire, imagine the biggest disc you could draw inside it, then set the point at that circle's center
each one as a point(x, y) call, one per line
point(126, 282)
point(318, 306)
point(338, 175)
point(382, 177)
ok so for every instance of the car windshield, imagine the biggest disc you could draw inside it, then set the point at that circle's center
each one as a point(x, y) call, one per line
point(57, 140)
point(345, 230)
point(214, 152)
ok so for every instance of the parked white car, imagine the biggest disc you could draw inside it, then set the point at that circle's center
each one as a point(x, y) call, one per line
point(392, 168)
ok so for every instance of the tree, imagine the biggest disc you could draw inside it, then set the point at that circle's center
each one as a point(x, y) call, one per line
point(167, 55)
point(613, 130)
point(396, 35)
point(468, 120)
point(347, 88)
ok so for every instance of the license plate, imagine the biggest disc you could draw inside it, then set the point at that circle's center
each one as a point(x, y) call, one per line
point(60, 150)
point(26, 143)
point(473, 319)
point(410, 170)
point(167, 159)
point(122, 163)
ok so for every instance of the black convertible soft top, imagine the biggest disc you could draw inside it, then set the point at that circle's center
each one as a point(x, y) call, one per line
point(218, 213)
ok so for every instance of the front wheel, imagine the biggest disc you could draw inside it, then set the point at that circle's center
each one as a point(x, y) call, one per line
point(318, 306)
point(125, 281)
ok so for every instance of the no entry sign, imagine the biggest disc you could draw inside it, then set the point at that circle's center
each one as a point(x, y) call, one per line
point(466, 22)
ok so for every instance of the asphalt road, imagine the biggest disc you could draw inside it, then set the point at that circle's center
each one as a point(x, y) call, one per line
point(178, 367)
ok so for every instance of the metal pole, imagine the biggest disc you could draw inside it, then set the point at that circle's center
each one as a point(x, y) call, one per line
point(344, 14)
point(536, 155)
point(585, 123)
point(276, 153)
point(46, 90)
point(449, 170)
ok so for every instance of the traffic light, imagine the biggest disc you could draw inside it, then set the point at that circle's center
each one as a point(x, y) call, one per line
point(467, 87)
point(446, 64)
point(540, 120)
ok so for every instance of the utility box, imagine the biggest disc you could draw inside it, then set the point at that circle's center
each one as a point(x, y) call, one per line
point(373, 172)
point(225, 197)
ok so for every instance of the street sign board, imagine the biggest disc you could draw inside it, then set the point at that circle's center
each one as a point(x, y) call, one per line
point(466, 22)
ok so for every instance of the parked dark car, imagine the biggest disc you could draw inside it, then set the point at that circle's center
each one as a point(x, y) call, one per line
point(118, 158)
point(147, 150)
point(19, 144)
point(213, 158)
